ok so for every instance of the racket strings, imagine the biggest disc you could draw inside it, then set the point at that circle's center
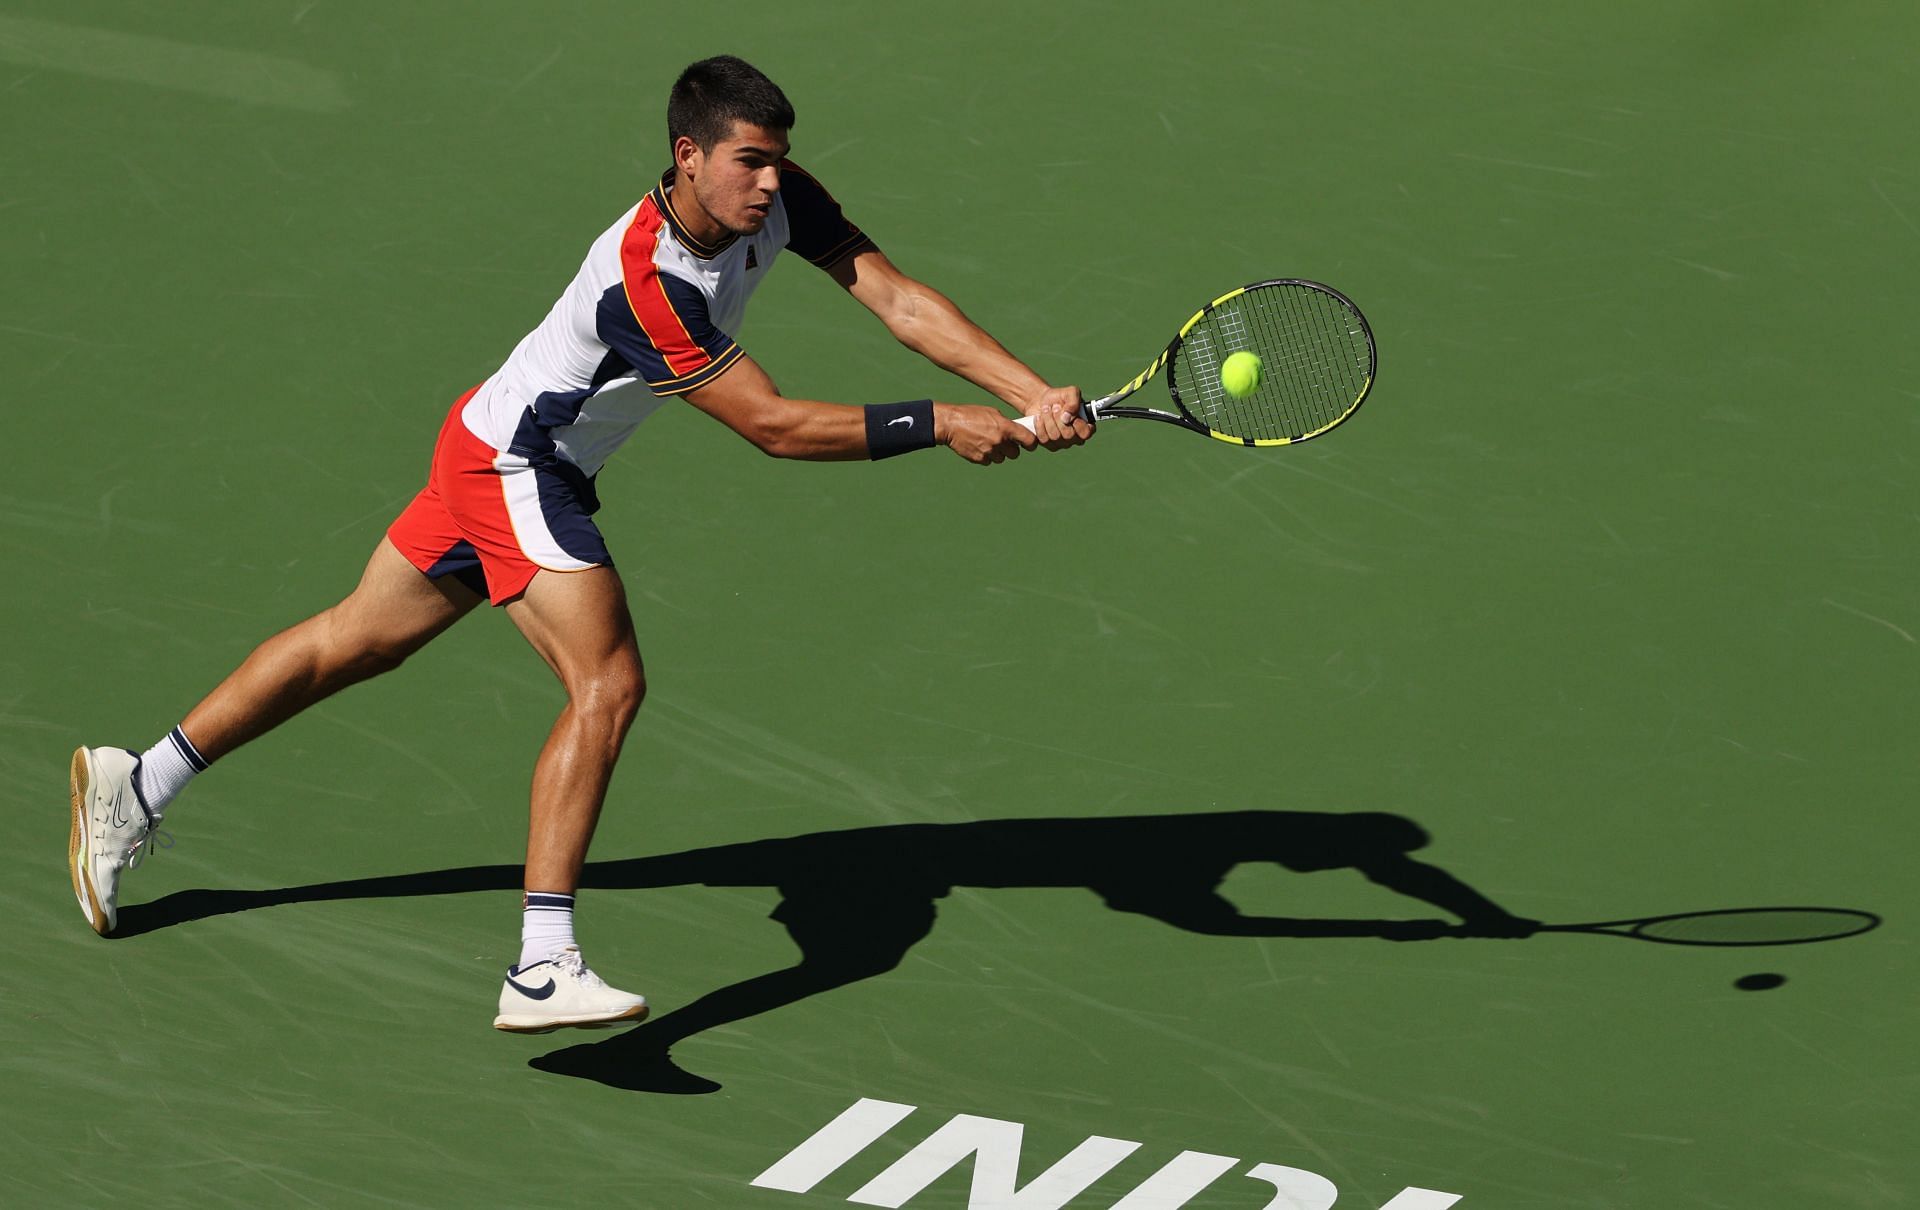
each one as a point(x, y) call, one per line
point(1316, 362)
point(1757, 926)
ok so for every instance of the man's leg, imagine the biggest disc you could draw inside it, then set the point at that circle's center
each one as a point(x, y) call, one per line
point(393, 612)
point(578, 622)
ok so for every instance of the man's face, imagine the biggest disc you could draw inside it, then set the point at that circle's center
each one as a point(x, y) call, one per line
point(735, 182)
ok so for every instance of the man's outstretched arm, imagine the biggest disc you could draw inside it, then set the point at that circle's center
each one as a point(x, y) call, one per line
point(928, 322)
point(745, 399)
point(1434, 885)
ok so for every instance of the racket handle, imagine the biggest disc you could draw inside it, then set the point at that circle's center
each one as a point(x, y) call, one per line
point(1086, 413)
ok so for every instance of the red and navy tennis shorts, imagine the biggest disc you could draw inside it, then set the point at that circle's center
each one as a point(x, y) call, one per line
point(495, 520)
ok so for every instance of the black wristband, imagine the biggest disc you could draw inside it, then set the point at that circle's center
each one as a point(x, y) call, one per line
point(899, 428)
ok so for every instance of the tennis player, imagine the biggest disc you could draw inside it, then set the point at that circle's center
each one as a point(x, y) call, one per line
point(507, 512)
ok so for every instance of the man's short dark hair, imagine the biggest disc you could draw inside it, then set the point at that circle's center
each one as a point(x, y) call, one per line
point(713, 94)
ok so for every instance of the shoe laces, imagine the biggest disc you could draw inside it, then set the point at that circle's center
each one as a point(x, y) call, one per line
point(155, 838)
point(571, 961)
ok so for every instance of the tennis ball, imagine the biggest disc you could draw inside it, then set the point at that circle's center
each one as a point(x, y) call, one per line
point(1240, 374)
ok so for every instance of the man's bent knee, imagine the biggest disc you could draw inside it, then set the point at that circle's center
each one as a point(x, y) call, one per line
point(612, 691)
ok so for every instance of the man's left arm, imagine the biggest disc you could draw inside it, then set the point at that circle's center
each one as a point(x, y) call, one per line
point(928, 322)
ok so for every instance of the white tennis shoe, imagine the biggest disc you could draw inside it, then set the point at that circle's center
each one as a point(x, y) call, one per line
point(561, 991)
point(112, 830)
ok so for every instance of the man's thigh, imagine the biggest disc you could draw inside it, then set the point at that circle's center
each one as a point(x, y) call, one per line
point(396, 607)
point(579, 623)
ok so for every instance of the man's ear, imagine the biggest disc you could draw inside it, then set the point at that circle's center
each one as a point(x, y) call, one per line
point(687, 155)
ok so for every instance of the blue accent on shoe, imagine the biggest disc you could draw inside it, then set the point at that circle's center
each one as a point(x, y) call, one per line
point(531, 993)
point(139, 795)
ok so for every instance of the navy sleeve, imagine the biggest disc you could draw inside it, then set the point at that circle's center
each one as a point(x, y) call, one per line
point(815, 227)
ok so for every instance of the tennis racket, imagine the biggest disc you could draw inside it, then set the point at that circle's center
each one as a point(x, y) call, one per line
point(1735, 926)
point(1317, 365)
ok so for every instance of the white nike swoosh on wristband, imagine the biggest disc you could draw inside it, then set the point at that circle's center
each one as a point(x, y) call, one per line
point(906, 420)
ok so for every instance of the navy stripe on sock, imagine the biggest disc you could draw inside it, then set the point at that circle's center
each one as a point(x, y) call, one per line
point(541, 900)
point(187, 751)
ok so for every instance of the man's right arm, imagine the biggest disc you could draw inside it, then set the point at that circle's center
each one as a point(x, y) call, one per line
point(1418, 880)
point(746, 400)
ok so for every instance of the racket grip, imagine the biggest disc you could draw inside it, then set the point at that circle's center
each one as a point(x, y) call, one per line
point(1086, 413)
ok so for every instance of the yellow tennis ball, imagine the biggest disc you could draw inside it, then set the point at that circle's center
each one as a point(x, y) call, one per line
point(1240, 374)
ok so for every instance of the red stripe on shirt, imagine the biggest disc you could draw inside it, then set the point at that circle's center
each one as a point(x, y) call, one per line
point(652, 309)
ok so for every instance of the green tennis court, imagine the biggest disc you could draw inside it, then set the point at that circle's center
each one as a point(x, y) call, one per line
point(1604, 607)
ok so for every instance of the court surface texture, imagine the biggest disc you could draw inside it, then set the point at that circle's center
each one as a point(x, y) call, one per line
point(1605, 606)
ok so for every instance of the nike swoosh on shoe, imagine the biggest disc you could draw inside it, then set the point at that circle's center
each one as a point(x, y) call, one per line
point(532, 993)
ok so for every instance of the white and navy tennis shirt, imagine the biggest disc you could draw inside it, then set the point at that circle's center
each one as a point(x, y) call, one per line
point(650, 315)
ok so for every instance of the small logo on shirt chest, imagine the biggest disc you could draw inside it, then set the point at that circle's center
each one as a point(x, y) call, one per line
point(753, 262)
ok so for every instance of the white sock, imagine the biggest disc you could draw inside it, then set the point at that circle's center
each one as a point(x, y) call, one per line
point(546, 926)
point(165, 769)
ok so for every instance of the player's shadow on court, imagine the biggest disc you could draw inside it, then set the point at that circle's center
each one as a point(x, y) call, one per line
point(855, 902)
